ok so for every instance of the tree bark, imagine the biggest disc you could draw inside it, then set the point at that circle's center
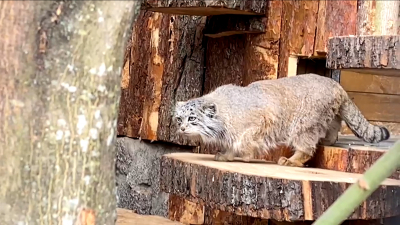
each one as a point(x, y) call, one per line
point(59, 91)
point(166, 64)
point(373, 54)
point(269, 191)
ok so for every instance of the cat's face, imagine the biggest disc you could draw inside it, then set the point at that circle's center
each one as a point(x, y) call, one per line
point(194, 117)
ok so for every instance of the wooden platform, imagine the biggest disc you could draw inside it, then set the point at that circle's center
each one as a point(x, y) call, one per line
point(128, 217)
point(266, 190)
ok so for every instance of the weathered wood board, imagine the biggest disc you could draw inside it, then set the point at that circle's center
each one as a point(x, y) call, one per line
point(207, 7)
point(269, 191)
point(226, 25)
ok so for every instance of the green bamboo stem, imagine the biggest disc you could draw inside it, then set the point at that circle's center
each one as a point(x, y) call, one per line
point(344, 206)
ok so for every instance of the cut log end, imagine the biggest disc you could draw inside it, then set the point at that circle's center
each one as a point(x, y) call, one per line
point(370, 54)
point(267, 190)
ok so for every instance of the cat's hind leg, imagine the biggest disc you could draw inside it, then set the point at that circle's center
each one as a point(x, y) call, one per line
point(227, 156)
point(297, 160)
point(332, 133)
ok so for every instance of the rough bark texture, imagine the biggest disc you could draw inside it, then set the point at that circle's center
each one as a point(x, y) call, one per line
point(299, 20)
point(207, 7)
point(373, 54)
point(269, 191)
point(335, 18)
point(138, 175)
point(166, 65)
point(235, 24)
point(59, 90)
point(185, 211)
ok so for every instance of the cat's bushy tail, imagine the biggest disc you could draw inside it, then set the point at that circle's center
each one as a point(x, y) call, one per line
point(357, 123)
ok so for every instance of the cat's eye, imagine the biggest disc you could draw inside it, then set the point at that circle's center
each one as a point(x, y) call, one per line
point(191, 118)
point(179, 120)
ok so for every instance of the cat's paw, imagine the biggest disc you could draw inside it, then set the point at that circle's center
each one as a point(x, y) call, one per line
point(223, 157)
point(283, 161)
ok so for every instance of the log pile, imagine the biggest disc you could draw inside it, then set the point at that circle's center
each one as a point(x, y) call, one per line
point(269, 191)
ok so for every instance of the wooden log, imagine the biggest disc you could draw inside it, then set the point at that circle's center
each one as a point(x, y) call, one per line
point(59, 89)
point(225, 25)
point(269, 191)
point(128, 217)
point(207, 7)
point(365, 54)
point(166, 65)
point(335, 18)
point(298, 31)
point(184, 211)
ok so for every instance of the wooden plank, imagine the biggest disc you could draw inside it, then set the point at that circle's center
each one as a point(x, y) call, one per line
point(245, 188)
point(207, 8)
point(299, 20)
point(335, 18)
point(370, 83)
point(128, 217)
point(377, 17)
point(235, 24)
point(377, 107)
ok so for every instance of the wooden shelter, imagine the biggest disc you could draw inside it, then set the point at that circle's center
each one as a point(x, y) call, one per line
point(184, 49)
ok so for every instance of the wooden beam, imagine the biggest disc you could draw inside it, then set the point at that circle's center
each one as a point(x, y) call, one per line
point(365, 54)
point(225, 25)
point(207, 8)
point(185, 211)
point(268, 190)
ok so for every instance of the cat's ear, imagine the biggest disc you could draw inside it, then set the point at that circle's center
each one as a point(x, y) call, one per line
point(179, 104)
point(210, 109)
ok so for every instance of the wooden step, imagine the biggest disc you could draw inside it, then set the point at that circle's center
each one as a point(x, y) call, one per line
point(207, 8)
point(128, 217)
point(269, 191)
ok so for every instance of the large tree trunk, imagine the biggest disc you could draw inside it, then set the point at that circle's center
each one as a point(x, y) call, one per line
point(59, 91)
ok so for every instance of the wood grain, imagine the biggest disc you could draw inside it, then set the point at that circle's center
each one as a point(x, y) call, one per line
point(268, 191)
point(369, 83)
point(377, 107)
point(335, 18)
point(166, 65)
point(184, 211)
point(299, 21)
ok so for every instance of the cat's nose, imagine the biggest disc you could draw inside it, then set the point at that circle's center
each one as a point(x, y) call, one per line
point(182, 128)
